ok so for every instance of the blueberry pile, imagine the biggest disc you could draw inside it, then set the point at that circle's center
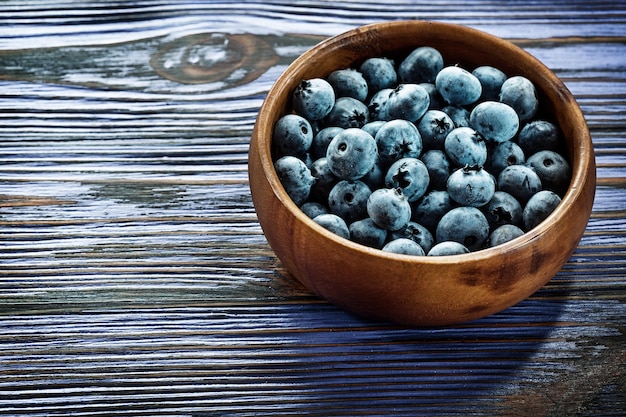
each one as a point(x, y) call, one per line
point(420, 158)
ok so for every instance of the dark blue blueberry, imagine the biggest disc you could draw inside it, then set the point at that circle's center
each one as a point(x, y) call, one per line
point(321, 141)
point(398, 139)
point(348, 200)
point(553, 170)
point(491, 80)
point(465, 225)
point(325, 180)
point(292, 136)
point(438, 166)
point(347, 112)
point(539, 207)
point(367, 233)
point(519, 92)
point(410, 175)
point(520, 181)
point(503, 154)
point(313, 209)
point(389, 208)
point(434, 126)
point(494, 121)
point(459, 115)
point(436, 101)
point(464, 146)
point(503, 234)
point(538, 135)
point(352, 154)
point(431, 208)
point(417, 233)
point(295, 177)
point(379, 104)
point(404, 246)
point(373, 126)
point(375, 178)
point(471, 186)
point(349, 83)
point(503, 209)
point(379, 73)
point(313, 99)
point(458, 86)
point(333, 223)
point(408, 102)
point(420, 66)
point(448, 248)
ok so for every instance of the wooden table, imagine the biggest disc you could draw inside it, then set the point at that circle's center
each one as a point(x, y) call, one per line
point(136, 281)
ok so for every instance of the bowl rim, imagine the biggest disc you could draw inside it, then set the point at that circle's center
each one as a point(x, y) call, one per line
point(580, 172)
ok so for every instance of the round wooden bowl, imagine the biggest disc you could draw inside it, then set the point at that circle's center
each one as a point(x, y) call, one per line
point(420, 290)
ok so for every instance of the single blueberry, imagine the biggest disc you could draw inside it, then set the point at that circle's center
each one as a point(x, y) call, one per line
point(321, 141)
point(520, 93)
point(367, 233)
point(292, 135)
point(295, 178)
point(349, 83)
point(494, 121)
point(553, 170)
point(404, 246)
point(352, 154)
point(417, 233)
point(347, 112)
point(410, 175)
point(325, 180)
point(313, 99)
point(434, 126)
point(408, 102)
point(520, 181)
point(379, 72)
point(503, 154)
point(313, 209)
point(503, 234)
point(398, 139)
point(438, 166)
point(430, 209)
point(348, 200)
point(333, 223)
point(491, 80)
point(373, 126)
point(420, 66)
point(503, 209)
point(538, 135)
point(375, 177)
point(378, 106)
point(458, 86)
point(464, 146)
point(448, 248)
point(389, 208)
point(459, 115)
point(436, 101)
point(471, 186)
point(465, 225)
point(539, 207)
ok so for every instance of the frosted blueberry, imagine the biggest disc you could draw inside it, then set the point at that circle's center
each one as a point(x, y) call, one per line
point(397, 139)
point(539, 207)
point(379, 72)
point(373, 126)
point(471, 186)
point(434, 126)
point(438, 166)
point(503, 209)
point(553, 170)
point(325, 180)
point(519, 93)
point(417, 233)
point(421, 65)
point(465, 225)
point(348, 200)
point(375, 177)
point(348, 83)
point(520, 181)
point(436, 101)
point(389, 208)
point(351, 154)
point(448, 248)
point(295, 177)
point(404, 246)
point(458, 86)
point(313, 209)
point(464, 146)
point(410, 175)
point(313, 99)
point(333, 223)
point(367, 233)
point(408, 102)
point(504, 234)
point(347, 112)
point(494, 121)
point(503, 154)
point(491, 80)
point(379, 104)
point(459, 115)
point(292, 135)
point(431, 208)
point(538, 135)
point(321, 141)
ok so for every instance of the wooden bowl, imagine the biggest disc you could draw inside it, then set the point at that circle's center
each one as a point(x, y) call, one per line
point(420, 290)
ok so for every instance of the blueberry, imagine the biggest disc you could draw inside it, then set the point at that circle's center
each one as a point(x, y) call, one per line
point(464, 146)
point(398, 139)
point(348, 200)
point(553, 170)
point(494, 121)
point(458, 86)
point(520, 181)
point(539, 207)
point(313, 99)
point(325, 180)
point(503, 209)
point(404, 246)
point(503, 234)
point(408, 102)
point(349, 83)
point(434, 126)
point(373, 126)
point(375, 177)
point(430, 209)
point(459, 115)
point(378, 105)
point(313, 209)
point(503, 154)
point(351, 154)
point(538, 135)
point(471, 186)
point(292, 135)
point(520, 93)
point(438, 166)
point(295, 177)
point(417, 233)
point(379, 72)
point(389, 208)
point(367, 233)
point(448, 248)
point(333, 223)
point(410, 175)
point(465, 225)
point(347, 112)
point(321, 141)
point(420, 66)
point(491, 80)
point(436, 101)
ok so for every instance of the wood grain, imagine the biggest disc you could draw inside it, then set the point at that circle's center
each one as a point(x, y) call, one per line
point(135, 279)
